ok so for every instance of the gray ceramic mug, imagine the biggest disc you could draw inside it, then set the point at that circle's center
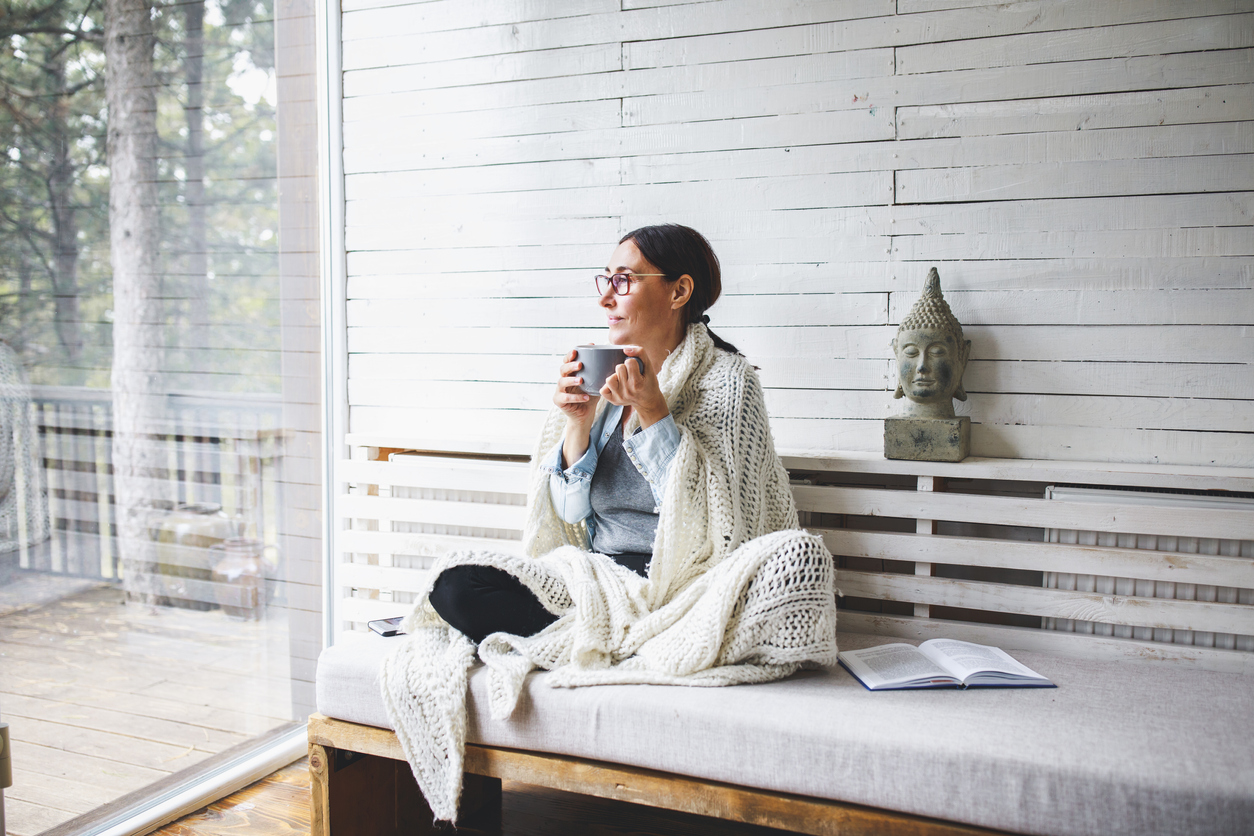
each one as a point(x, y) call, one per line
point(599, 362)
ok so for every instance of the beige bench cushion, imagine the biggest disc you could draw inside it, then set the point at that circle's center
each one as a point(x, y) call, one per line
point(1117, 748)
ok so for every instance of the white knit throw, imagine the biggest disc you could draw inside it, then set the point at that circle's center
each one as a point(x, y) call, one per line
point(735, 593)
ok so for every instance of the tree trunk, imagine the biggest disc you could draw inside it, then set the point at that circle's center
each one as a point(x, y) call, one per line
point(194, 169)
point(138, 460)
point(64, 222)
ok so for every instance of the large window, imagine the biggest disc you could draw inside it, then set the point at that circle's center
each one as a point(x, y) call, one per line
point(159, 359)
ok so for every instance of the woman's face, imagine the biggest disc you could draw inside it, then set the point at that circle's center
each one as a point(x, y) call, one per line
point(652, 311)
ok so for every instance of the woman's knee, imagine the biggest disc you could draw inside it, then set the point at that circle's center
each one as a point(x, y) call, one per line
point(455, 590)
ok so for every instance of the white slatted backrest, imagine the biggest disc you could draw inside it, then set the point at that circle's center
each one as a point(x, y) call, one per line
point(403, 513)
point(924, 549)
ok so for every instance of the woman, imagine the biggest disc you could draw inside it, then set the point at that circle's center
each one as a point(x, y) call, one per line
point(661, 535)
point(659, 280)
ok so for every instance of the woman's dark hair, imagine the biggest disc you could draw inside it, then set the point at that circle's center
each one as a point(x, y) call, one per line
point(675, 250)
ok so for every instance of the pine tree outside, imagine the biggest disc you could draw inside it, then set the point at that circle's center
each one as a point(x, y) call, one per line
point(150, 612)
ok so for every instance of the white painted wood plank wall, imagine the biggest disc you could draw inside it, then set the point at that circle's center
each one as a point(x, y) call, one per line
point(1082, 174)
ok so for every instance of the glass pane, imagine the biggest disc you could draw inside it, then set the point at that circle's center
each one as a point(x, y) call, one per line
point(159, 448)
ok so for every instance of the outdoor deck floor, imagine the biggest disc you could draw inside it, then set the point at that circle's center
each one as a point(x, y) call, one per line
point(103, 698)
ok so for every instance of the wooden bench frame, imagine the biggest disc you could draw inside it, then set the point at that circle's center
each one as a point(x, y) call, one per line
point(366, 764)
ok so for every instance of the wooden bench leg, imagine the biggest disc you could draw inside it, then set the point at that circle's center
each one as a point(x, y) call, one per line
point(480, 808)
point(368, 795)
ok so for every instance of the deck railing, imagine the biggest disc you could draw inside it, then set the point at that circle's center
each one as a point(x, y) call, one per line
point(221, 450)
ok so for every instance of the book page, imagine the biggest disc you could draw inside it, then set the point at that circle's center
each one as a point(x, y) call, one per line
point(966, 658)
point(893, 664)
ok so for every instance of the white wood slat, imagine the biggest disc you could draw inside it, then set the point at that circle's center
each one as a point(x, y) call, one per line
point(432, 397)
point(767, 209)
point(1235, 450)
point(1163, 380)
point(1026, 600)
point(734, 77)
point(1137, 212)
point(440, 512)
point(558, 118)
point(1098, 273)
point(1173, 243)
point(457, 395)
point(552, 63)
point(382, 578)
point(800, 129)
point(436, 472)
point(1112, 413)
point(382, 275)
point(1167, 141)
point(585, 311)
point(1078, 179)
point(1194, 33)
point(727, 77)
point(1230, 103)
point(1112, 75)
point(635, 25)
point(477, 436)
point(1000, 408)
point(503, 431)
point(1026, 470)
point(404, 369)
point(445, 15)
point(412, 543)
point(900, 30)
point(1037, 513)
point(1116, 343)
point(1072, 146)
point(361, 610)
point(918, 6)
point(505, 179)
point(579, 179)
point(1048, 641)
point(1175, 567)
point(371, 225)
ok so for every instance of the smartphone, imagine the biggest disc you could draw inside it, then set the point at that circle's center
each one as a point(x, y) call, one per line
point(387, 626)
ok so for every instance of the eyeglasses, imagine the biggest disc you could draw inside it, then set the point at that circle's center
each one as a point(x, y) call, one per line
point(621, 282)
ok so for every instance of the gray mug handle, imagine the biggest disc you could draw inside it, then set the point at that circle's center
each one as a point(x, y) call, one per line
point(639, 362)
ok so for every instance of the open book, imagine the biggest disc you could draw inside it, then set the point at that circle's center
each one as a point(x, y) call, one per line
point(939, 663)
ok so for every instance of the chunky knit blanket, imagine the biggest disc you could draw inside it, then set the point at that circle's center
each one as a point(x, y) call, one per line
point(735, 592)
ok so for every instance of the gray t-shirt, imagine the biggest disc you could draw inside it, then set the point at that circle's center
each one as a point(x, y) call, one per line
point(622, 502)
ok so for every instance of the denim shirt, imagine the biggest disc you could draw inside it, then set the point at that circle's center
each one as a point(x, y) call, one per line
point(651, 450)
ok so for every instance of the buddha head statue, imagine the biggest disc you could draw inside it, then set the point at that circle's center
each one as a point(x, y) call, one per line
point(931, 355)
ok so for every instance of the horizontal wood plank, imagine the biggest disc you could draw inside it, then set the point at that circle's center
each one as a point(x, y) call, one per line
point(418, 544)
point(1038, 513)
point(1171, 567)
point(434, 511)
point(437, 472)
point(1051, 603)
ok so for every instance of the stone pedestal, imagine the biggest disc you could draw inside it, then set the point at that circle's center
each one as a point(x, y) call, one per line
point(927, 439)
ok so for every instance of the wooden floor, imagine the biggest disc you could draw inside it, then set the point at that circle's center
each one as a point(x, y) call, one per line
point(103, 698)
point(279, 806)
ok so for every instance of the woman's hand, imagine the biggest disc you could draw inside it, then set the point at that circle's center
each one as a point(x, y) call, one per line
point(578, 407)
point(628, 387)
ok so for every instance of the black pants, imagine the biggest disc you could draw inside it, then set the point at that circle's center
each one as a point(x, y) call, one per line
point(481, 600)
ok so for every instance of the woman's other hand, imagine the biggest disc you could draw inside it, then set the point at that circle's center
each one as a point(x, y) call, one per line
point(578, 407)
point(628, 387)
